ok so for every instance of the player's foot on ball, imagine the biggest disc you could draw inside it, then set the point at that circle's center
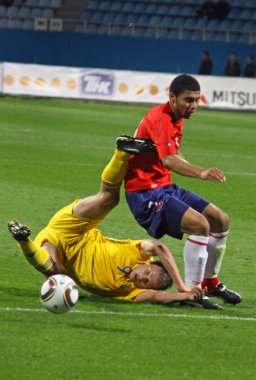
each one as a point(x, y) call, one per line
point(226, 295)
point(135, 145)
point(204, 303)
point(18, 231)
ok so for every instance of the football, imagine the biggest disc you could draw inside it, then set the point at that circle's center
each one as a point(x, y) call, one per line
point(59, 294)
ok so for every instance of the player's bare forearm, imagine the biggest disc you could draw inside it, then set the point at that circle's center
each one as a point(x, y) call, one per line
point(153, 296)
point(169, 264)
point(153, 248)
point(181, 166)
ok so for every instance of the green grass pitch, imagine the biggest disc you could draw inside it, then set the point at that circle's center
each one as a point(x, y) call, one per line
point(52, 152)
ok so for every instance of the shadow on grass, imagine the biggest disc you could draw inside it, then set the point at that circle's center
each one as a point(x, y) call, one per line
point(18, 292)
point(63, 323)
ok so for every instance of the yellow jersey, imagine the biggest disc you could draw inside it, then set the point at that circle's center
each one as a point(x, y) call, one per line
point(98, 264)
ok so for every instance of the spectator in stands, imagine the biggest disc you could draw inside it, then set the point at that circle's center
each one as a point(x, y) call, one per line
point(222, 9)
point(233, 68)
point(7, 3)
point(250, 68)
point(206, 64)
point(207, 10)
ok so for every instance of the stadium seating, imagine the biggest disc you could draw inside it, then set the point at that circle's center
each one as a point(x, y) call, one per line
point(220, 36)
point(4, 23)
point(15, 23)
point(21, 14)
point(153, 19)
point(24, 12)
point(2, 10)
point(165, 19)
point(12, 11)
point(27, 24)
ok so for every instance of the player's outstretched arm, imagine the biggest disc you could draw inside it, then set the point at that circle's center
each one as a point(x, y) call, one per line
point(154, 248)
point(181, 166)
point(158, 297)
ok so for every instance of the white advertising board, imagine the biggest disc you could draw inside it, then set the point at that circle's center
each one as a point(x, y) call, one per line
point(122, 86)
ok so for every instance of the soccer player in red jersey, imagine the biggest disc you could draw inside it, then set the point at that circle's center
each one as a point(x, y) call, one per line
point(163, 208)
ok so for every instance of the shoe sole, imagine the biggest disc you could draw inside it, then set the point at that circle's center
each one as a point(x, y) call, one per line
point(200, 306)
point(223, 300)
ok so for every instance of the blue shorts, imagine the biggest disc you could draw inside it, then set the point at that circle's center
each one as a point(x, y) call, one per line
point(160, 211)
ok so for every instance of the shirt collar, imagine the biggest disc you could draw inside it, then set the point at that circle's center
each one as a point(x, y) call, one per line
point(170, 111)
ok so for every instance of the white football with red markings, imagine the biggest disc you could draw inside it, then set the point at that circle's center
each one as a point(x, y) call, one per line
point(59, 293)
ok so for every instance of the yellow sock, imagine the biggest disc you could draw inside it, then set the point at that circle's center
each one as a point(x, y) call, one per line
point(36, 256)
point(115, 172)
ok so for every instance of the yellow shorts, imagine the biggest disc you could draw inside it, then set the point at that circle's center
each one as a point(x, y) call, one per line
point(65, 228)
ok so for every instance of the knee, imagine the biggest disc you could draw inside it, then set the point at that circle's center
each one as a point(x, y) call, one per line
point(218, 220)
point(110, 200)
point(194, 223)
point(223, 221)
point(115, 200)
point(202, 227)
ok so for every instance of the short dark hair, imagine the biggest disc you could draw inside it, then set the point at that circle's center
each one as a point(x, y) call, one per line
point(183, 83)
point(164, 279)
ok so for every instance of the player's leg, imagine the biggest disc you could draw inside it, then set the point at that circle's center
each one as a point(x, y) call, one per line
point(182, 217)
point(195, 252)
point(219, 230)
point(135, 145)
point(93, 209)
point(160, 213)
point(217, 219)
point(38, 257)
point(99, 205)
point(196, 225)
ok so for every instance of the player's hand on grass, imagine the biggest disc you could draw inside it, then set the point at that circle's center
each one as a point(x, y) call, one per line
point(213, 174)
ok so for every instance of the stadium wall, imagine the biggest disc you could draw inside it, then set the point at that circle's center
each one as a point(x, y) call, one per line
point(115, 52)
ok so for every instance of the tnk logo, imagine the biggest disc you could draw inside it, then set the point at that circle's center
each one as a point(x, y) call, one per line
point(97, 83)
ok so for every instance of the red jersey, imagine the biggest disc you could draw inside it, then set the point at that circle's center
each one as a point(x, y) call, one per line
point(146, 171)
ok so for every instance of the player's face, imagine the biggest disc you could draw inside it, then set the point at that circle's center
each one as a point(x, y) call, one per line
point(146, 276)
point(185, 104)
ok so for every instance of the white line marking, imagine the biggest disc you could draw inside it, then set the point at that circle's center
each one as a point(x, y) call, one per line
point(242, 173)
point(131, 314)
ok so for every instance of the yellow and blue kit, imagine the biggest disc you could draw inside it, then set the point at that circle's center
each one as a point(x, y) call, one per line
point(98, 264)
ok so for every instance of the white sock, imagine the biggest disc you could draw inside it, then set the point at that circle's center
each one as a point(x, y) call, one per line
point(195, 257)
point(216, 249)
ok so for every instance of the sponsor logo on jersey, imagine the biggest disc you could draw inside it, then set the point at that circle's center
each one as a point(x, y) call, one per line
point(97, 83)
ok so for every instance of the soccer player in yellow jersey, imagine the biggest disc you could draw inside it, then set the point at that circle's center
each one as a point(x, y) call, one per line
point(71, 244)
